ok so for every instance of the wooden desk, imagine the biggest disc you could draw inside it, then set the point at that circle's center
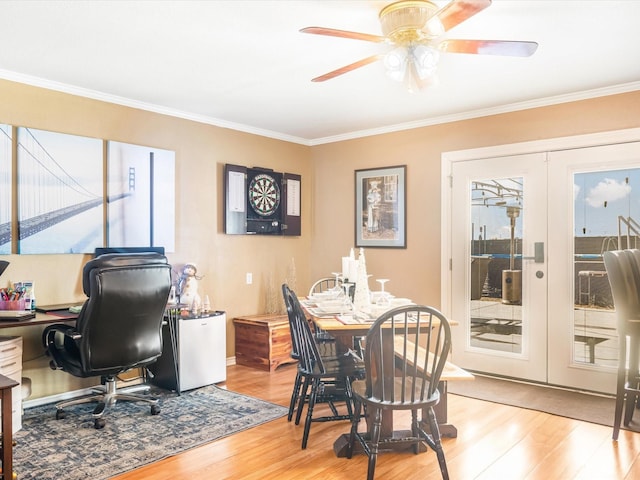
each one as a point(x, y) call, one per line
point(6, 385)
point(40, 319)
point(344, 334)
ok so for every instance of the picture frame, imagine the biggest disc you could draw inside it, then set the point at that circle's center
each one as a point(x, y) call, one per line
point(380, 207)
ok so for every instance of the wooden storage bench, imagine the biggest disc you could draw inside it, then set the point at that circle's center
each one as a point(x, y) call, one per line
point(263, 341)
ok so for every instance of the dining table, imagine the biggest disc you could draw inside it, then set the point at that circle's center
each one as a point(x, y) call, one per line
point(347, 330)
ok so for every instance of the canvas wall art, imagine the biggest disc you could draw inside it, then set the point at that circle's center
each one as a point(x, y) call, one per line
point(5, 189)
point(140, 196)
point(60, 192)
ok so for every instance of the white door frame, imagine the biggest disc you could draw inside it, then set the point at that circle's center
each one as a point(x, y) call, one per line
point(539, 146)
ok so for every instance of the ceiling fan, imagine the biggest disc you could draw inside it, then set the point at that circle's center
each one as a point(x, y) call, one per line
point(415, 30)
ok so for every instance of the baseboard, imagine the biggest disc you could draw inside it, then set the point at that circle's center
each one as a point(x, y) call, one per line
point(36, 402)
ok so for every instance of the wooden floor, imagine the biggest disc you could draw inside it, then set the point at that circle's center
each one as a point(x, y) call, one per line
point(494, 442)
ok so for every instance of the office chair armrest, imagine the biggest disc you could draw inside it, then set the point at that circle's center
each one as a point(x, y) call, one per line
point(50, 332)
point(58, 341)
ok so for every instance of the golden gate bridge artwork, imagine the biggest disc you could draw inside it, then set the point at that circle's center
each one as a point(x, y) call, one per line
point(61, 193)
point(6, 143)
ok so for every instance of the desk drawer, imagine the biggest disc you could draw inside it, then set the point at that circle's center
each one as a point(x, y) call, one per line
point(10, 348)
point(11, 366)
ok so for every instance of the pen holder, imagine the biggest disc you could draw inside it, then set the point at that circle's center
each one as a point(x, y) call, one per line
point(12, 304)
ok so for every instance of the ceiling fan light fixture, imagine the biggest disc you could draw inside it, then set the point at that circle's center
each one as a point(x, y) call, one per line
point(412, 64)
point(425, 60)
point(414, 29)
point(434, 27)
point(403, 21)
point(395, 63)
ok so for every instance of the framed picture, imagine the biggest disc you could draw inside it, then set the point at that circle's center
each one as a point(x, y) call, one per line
point(381, 215)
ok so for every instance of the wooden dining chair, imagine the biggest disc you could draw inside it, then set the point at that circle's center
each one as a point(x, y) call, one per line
point(406, 352)
point(326, 346)
point(323, 284)
point(320, 378)
point(327, 283)
point(623, 271)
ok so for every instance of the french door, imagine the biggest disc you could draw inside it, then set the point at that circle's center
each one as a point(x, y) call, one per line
point(499, 216)
point(528, 287)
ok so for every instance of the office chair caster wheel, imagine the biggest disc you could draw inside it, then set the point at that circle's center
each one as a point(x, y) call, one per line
point(60, 414)
point(99, 423)
point(155, 409)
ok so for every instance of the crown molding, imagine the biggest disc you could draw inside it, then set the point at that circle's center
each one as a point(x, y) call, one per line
point(127, 102)
point(484, 112)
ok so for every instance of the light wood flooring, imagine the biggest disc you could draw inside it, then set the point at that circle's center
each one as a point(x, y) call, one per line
point(495, 442)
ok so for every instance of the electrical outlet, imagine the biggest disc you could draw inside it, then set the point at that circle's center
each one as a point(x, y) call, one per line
point(249, 278)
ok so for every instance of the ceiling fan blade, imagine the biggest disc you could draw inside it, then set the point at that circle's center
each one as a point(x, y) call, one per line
point(458, 11)
point(489, 47)
point(347, 68)
point(332, 32)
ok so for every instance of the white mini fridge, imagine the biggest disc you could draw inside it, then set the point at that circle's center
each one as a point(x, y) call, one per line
point(200, 353)
point(202, 350)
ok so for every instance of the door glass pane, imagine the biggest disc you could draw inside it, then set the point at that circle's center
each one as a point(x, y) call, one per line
point(496, 264)
point(606, 217)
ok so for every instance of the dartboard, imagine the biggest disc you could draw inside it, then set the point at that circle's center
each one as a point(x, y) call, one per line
point(264, 194)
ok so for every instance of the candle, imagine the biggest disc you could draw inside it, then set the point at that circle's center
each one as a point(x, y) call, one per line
point(345, 267)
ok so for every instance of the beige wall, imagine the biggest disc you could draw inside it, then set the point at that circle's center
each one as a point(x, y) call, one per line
point(201, 151)
point(327, 198)
point(415, 271)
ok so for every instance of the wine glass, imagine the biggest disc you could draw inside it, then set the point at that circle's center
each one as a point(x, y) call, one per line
point(346, 300)
point(383, 297)
point(336, 287)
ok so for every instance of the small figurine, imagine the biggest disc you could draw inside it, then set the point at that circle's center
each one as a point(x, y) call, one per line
point(188, 285)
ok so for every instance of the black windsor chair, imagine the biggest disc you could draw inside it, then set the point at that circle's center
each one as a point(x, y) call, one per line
point(406, 352)
point(320, 378)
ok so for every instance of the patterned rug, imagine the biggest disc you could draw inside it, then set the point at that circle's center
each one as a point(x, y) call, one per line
point(73, 449)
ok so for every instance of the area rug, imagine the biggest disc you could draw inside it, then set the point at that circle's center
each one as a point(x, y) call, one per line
point(73, 449)
point(556, 401)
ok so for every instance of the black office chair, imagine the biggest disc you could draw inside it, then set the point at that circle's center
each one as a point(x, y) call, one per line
point(623, 270)
point(118, 329)
point(407, 350)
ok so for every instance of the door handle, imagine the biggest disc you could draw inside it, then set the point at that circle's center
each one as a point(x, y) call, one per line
point(538, 253)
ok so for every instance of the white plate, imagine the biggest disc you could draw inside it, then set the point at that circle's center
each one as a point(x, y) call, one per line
point(330, 304)
point(323, 296)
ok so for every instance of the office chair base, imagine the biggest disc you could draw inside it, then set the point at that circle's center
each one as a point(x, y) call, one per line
point(106, 398)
